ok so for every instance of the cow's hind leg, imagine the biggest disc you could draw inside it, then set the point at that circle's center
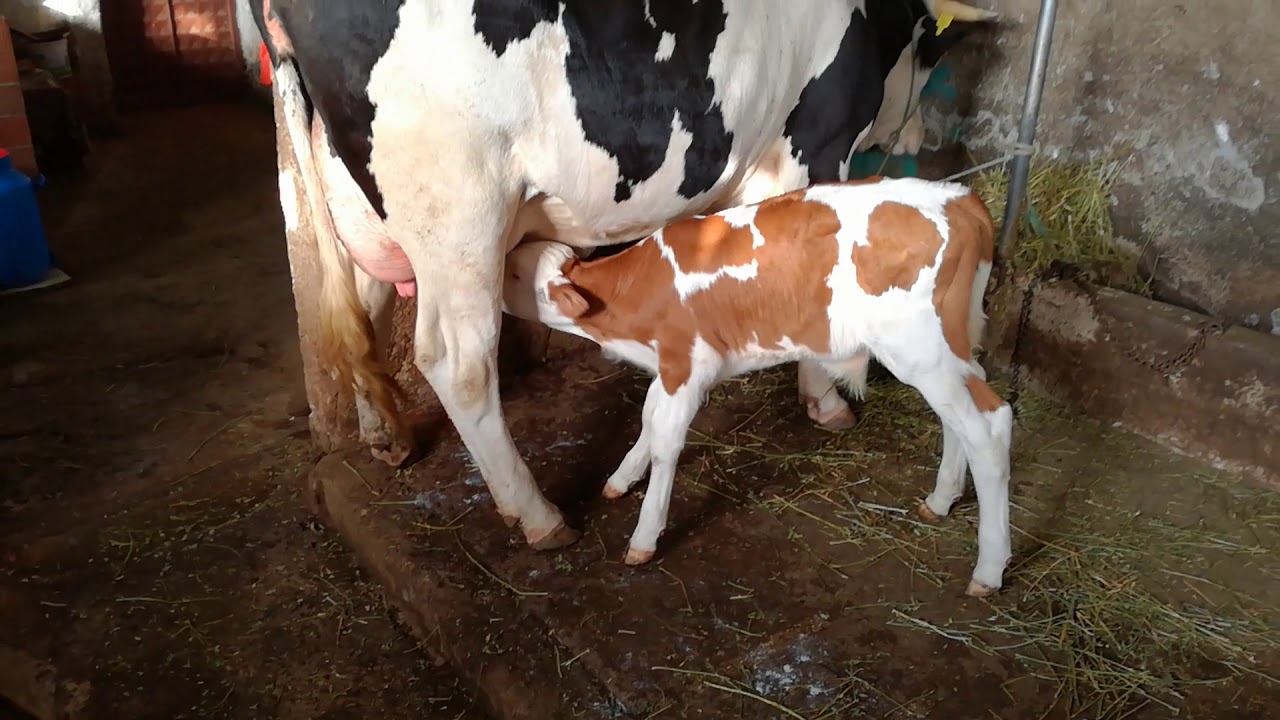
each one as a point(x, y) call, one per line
point(455, 347)
point(386, 443)
point(850, 374)
point(822, 401)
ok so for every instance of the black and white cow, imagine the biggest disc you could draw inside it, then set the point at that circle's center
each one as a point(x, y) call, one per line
point(432, 135)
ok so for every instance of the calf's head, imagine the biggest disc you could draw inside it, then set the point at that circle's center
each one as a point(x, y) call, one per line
point(535, 286)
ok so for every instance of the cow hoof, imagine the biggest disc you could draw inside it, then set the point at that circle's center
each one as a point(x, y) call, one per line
point(561, 536)
point(926, 514)
point(978, 590)
point(394, 454)
point(612, 493)
point(637, 557)
point(841, 418)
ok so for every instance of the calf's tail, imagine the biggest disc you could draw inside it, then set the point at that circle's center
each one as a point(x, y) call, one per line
point(347, 341)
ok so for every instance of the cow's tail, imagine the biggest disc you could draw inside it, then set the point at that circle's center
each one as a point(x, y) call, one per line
point(346, 338)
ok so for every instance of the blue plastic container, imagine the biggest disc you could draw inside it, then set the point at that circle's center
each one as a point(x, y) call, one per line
point(24, 254)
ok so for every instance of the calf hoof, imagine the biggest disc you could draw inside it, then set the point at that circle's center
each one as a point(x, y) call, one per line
point(612, 493)
point(840, 418)
point(637, 557)
point(926, 514)
point(978, 590)
point(560, 536)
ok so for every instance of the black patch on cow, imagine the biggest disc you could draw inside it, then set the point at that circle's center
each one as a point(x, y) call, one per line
point(627, 99)
point(838, 104)
point(844, 100)
point(932, 47)
point(336, 44)
point(502, 22)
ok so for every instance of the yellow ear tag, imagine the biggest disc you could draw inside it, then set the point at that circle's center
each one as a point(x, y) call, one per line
point(944, 21)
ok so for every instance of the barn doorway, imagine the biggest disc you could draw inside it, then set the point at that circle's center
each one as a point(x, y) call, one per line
point(166, 53)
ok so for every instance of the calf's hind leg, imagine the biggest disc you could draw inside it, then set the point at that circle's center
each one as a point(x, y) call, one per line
point(983, 424)
point(951, 469)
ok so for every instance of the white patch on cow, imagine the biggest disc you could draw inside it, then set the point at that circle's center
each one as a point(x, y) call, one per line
point(289, 200)
point(648, 14)
point(769, 51)
point(776, 172)
point(666, 46)
point(688, 283)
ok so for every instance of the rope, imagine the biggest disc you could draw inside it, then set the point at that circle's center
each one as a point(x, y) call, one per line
point(1018, 150)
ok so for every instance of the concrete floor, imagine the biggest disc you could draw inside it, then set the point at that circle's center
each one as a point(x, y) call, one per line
point(159, 560)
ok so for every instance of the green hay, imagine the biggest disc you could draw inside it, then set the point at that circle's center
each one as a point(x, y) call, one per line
point(1066, 216)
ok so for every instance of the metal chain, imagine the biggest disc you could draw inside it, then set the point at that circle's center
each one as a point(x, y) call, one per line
point(1058, 270)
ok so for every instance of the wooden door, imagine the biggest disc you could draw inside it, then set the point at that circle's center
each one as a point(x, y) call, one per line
point(173, 52)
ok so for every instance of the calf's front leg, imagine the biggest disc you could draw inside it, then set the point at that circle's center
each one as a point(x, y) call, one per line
point(665, 430)
point(636, 462)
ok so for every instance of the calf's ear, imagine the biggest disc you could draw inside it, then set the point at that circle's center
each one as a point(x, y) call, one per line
point(568, 300)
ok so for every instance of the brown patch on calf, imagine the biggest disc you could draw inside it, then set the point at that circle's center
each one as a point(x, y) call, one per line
point(970, 213)
point(789, 297)
point(971, 239)
point(983, 396)
point(632, 295)
point(705, 245)
point(900, 243)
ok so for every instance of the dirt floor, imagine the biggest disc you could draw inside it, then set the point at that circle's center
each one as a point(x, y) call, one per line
point(159, 558)
point(155, 557)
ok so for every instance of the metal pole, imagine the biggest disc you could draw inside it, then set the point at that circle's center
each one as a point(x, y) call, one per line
point(1027, 128)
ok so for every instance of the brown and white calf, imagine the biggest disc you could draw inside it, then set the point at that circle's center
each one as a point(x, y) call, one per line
point(833, 273)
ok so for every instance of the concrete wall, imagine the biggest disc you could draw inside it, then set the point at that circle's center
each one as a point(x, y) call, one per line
point(94, 72)
point(1187, 91)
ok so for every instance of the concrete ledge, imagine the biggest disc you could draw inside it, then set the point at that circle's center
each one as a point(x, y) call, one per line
point(1080, 347)
point(453, 623)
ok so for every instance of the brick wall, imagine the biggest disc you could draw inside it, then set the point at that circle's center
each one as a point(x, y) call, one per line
point(15, 134)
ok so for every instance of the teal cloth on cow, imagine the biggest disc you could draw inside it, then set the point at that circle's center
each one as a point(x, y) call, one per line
point(866, 164)
point(940, 87)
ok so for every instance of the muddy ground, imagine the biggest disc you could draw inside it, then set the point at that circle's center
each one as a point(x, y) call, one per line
point(155, 557)
point(160, 556)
